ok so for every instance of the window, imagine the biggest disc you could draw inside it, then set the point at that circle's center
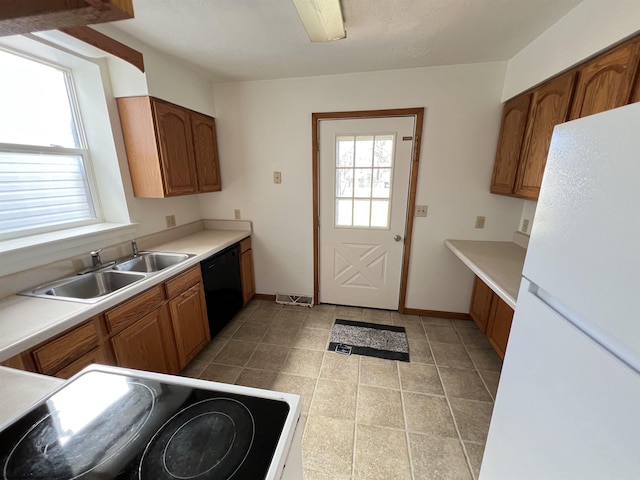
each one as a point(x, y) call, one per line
point(44, 160)
point(364, 166)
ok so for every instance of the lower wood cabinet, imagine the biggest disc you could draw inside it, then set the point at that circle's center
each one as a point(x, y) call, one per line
point(147, 344)
point(246, 270)
point(189, 316)
point(492, 315)
point(161, 330)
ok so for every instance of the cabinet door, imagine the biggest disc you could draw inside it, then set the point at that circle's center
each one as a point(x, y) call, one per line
point(606, 81)
point(190, 323)
point(480, 307)
point(175, 143)
point(246, 274)
point(147, 344)
point(549, 107)
point(205, 146)
point(499, 325)
point(514, 122)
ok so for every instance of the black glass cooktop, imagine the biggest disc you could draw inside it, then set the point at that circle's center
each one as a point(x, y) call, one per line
point(111, 426)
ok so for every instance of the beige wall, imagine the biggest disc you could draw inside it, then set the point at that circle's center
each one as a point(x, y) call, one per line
point(266, 126)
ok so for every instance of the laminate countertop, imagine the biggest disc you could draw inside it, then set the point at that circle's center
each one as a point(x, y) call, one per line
point(27, 321)
point(21, 389)
point(498, 264)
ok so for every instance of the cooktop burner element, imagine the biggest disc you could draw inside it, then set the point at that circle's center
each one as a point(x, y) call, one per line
point(209, 439)
point(108, 423)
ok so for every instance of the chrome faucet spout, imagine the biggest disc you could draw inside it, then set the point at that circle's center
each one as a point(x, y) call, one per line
point(95, 258)
point(134, 248)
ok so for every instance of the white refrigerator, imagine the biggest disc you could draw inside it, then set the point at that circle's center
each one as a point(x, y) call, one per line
point(568, 403)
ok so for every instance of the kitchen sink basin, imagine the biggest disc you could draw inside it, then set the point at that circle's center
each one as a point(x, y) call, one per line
point(151, 262)
point(88, 288)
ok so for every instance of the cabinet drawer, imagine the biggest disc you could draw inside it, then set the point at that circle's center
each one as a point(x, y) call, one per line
point(183, 281)
point(60, 352)
point(131, 310)
point(96, 355)
point(245, 244)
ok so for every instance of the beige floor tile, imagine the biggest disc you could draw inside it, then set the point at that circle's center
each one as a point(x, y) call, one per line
point(268, 357)
point(334, 399)
point(349, 313)
point(263, 315)
point(281, 335)
point(420, 352)
point(220, 373)
point(297, 314)
point(194, 369)
point(462, 383)
point(312, 339)
point(235, 353)
point(451, 355)
point(428, 414)
point(473, 418)
point(321, 320)
point(435, 321)
point(328, 445)
point(420, 378)
point(229, 329)
point(491, 380)
point(475, 453)
point(378, 372)
point(442, 333)
point(485, 358)
point(208, 353)
point(380, 407)
point(303, 362)
point(313, 475)
point(324, 307)
point(415, 332)
point(250, 377)
point(344, 368)
point(438, 458)
point(382, 317)
point(402, 319)
point(471, 335)
point(303, 386)
point(250, 332)
point(381, 454)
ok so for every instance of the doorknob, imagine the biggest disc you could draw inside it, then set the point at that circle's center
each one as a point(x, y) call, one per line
point(397, 238)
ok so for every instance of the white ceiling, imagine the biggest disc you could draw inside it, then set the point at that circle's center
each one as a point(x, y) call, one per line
point(264, 39)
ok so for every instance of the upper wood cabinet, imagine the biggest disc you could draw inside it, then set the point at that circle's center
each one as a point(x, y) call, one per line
point(514, 123)
point(171, 150)
point(549, 107)
point(607, 81)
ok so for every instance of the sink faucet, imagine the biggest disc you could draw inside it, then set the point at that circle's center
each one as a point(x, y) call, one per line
point(134, 248)
point(95, 258)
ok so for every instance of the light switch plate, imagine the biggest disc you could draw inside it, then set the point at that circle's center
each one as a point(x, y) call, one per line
point(421, 210)
point(479, 222)
point(171, 221)
point(277, 177)
point(236, 214)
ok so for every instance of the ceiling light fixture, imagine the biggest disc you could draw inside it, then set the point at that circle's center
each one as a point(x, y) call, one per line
point(322, 19)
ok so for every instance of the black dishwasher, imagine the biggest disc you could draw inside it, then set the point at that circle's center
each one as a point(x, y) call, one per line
point(222, 286)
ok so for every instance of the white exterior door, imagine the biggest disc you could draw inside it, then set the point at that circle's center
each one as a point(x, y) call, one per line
point(364, 181)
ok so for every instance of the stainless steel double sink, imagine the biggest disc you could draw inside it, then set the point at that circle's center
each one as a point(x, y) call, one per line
point(95, 286)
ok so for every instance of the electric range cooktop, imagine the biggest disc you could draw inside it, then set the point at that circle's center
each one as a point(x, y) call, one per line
point(110, 423)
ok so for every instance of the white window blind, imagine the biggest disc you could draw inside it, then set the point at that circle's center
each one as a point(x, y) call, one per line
point(44, 182)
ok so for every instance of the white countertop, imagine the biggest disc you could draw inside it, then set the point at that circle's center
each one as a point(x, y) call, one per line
point(20, 390)
point(498, 264)
point(28, 321)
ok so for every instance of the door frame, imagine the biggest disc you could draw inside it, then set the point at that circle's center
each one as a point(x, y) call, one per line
point(418, 114)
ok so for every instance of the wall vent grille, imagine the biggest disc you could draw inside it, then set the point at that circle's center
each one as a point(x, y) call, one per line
point(291, 299)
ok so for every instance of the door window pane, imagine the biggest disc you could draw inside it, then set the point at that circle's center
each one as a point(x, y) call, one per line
point(364, 174)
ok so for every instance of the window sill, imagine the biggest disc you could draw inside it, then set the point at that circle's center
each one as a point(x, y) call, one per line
point(23, 253)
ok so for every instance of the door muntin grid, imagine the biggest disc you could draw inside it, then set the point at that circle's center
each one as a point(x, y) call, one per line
point(363, 180)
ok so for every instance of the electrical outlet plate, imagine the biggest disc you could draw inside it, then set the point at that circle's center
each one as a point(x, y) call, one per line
point(421, 210)
point(479, 222)
point(236, 214)
point(525, 225)
point(277, 177)
point(171, 221)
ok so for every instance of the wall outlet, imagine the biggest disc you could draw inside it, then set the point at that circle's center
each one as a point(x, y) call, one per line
point(236, 214)
point(171, 221)
point(479, 222)
point(277, 177)
point(421, 210)
point(525, 225)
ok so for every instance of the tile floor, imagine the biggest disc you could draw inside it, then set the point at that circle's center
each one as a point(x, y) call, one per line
point(367, 418)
